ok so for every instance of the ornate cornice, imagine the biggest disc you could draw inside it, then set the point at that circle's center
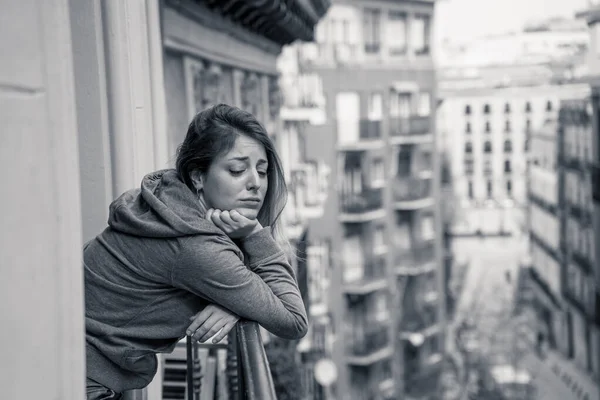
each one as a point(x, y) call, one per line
point(281, 21)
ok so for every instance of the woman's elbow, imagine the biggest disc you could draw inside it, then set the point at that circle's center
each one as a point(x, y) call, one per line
point(297, 330)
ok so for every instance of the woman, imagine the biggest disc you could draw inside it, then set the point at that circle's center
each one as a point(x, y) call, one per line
point(198, 238)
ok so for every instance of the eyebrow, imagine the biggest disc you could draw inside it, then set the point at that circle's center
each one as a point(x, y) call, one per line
point(261, 161)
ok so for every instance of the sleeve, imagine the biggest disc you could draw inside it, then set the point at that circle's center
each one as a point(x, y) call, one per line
point(266, 291)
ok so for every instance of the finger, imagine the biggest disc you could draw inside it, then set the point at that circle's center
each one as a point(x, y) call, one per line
point(209, 213)
point(216, 219)
point(236, 216)
point(210, 329)
point(207, 325)
point(199, 319)
point(226, 218)
point(224, 331)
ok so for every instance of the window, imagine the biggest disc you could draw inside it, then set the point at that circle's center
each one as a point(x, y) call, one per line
point(420, 34)
point(377, 173)
point(509, 188)
point(396, 33)
point(507, 146)
point(375, 107)
point(549, 105)
point(468, 127)
point(470, 189)
point(507, 126)
point(489, 189)
point(468, 166)
point(487, 146)
point(486, 109)
point(507, 167)
point(507, 108)
point(527, 125)
point(527, 107)
point(400, 105)
point(424, 104)
point(371, 30)
point(488, 127)
point(467, 110)
point(487, 167)
point(468, 147)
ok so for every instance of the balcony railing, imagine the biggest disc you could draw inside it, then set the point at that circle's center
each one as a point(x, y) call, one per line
point(420, 258)
point(370, 130)
point(357, 203)
point(373, 278)
point(370, 342)
point(412, 192)
point(409, 127)
point(247, 368)
point(419, 320)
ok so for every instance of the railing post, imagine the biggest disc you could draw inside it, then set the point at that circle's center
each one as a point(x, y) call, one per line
point(232, 366)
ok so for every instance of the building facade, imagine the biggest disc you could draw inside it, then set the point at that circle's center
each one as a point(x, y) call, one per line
point(106, 90)
point(379, 239)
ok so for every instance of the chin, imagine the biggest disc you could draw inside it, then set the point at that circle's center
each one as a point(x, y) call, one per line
point(249, 213)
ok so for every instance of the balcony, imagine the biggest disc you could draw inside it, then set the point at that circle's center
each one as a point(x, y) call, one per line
point(190, 371)
point(369, 137)
point(412, 193)
point(303, 99)
point(422, 320)
point(414, 129)
point(417, 260)
point(361, 207)
point(370, 346)
point(372, 279)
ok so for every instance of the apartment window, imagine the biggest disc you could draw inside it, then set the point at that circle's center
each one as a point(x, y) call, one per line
point(488, 127)
point(507, 126)
point(527, 125)
point(487, 167)
point(509, 188)
point(528, 107)
point(468, 127)
point(375, 107)
point(396, 33)
point(377, 173)
point(371, 30)
point(486, 109)
point(420, 34)
point(400, 105)
point(468, 166)
point(507, 108)
point(507, 146)
point(470, 189)
point(489, 189)
point(487, 146)
point(570, 336)
point(549, 105)
point(467, 110)
point(507, 167)
point(468, 147)
point(424, 106)
point(381, 310)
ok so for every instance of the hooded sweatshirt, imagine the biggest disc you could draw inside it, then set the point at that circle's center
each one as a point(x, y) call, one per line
point(159, 263)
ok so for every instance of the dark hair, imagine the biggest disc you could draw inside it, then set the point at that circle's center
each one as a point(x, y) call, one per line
point(212, 133)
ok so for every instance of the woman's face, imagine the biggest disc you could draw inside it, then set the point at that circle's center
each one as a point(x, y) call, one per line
point(238, 179)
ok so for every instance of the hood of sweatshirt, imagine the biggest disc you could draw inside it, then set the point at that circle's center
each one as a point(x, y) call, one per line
point(163, 207)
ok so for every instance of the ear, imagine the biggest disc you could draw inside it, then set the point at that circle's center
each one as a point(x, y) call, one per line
point(197, 179)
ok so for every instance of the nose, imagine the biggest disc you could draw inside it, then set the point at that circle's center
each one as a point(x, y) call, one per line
point(253, 182)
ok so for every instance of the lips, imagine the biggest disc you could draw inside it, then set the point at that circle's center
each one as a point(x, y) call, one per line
point(254, 201)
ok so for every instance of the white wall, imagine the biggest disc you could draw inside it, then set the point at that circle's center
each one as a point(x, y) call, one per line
point(41, 300)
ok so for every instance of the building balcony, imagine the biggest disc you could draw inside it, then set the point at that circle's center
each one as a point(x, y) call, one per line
point(369, 346)
point(422, 320)
point(412, 193)
point(369, 137)
point(359, 207)
point(417, 260)
point(373, 278)
point(414, 129)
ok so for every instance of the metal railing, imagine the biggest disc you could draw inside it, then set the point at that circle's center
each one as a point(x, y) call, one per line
point(414, 125)
point(419, 254)
point(367, 200)
point(247, 373)
point(371, 341)
point(411, 188)
point(370, 130)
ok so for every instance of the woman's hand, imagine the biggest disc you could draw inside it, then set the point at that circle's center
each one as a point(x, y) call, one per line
point(210, 321)
point(234, 224)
